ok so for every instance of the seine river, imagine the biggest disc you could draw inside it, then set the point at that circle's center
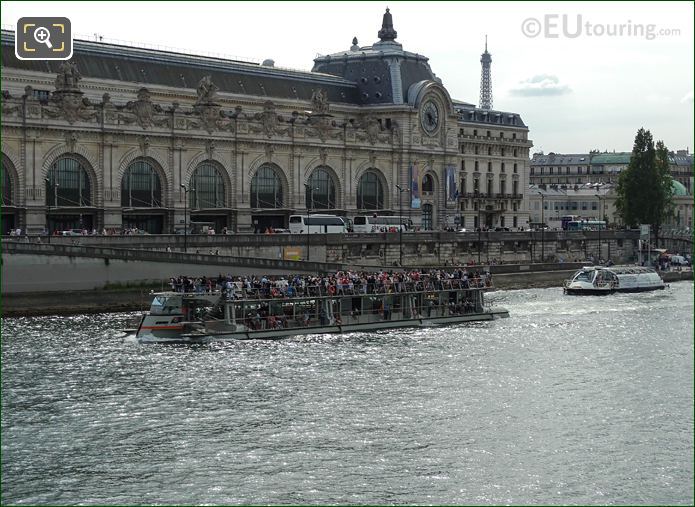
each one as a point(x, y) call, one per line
point(572, 400)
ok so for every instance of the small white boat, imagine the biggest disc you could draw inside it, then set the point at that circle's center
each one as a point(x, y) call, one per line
point(176, 317)
point(599, 280)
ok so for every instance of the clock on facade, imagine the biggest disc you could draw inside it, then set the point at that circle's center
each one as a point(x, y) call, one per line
point(429, 117)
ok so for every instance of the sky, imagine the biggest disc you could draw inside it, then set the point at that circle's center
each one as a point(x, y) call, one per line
point(583, 75)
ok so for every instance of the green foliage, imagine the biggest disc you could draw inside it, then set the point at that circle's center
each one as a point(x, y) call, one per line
point(644, 193)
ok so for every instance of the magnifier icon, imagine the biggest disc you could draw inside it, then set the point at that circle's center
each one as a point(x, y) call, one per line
point(43, 36)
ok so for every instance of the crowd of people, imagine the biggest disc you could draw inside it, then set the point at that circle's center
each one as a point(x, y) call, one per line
point(339, 283)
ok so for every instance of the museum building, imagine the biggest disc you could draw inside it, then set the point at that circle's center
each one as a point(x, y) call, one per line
point(123, 137)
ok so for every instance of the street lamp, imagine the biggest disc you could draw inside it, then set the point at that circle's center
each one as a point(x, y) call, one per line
point(310, 190)
point(542, 227)
point(480, 228)
point(185, 222)
point(400, 225)
point(600, 209)
point(48, 206)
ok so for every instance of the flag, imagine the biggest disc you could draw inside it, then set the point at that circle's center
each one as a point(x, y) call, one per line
point(414, 185)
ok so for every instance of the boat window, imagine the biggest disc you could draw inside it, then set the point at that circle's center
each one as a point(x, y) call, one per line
point(158, 306)
point(583, 276)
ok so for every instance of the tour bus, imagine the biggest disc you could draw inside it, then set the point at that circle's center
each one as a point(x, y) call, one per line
point(317, 224)
point(567, 219)
point(381, 223)
point(586, 225)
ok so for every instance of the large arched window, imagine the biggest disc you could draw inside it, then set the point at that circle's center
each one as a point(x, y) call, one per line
point(68, 183)
point(427, 217)
point(320, 190)
point(266, 189)
point(370, 192)
point(7, 189)
point(141, 186)
point(206, 187)
point(427, 183)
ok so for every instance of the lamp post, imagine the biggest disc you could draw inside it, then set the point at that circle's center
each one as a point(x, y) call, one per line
point(600, 208)
point(542, 227)
point(48, 206)
point(185, 212)
point(310, 205)
point(400, 225)
point(480, 228)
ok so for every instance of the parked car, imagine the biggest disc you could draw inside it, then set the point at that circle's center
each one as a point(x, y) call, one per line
point(281, 231)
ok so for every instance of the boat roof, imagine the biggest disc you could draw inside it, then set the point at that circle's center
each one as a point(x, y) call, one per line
point(620, 270)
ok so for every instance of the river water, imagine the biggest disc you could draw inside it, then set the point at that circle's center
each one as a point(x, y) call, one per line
point(572, 400)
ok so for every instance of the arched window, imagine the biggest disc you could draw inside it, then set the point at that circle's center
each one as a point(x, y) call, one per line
point(206, 187)
point(427, 183)
point(320, 190)
point(370, 192)
point(427, 217)
point(68, 184)
point(141, 186)
point(266, 189)
point(7, 199)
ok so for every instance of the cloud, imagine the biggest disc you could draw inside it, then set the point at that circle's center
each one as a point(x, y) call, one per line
point(687, 98)
point(541, 85)
point(656, 98)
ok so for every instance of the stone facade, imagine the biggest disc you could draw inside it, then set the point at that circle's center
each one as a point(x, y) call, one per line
point(104, 120)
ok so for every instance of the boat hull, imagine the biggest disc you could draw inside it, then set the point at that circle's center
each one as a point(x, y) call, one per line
point(605, 292)
point(275, 334)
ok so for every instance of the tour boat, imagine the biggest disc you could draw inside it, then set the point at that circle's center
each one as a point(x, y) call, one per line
point(177, 317)
point(599, 280)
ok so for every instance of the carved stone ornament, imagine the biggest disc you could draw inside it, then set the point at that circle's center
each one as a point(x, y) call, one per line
point(144, 112)
point(269, 150)
point(210, 117)
point(108, 109)
point(269, 120)
point(71, 141)
point(8, 107)
point(70, 105)
point(322, 127)
point(323, 155)
point(210, 148)
point(144, 143)
point(372, 131)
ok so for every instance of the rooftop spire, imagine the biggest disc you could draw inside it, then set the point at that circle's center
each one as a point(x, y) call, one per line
point(387, 33)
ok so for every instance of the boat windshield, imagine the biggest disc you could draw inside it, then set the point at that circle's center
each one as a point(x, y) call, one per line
point(583, 276)
point(164, 305)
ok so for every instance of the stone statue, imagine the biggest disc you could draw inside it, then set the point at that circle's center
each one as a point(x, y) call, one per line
point(319, 101)
point(68, 77)
point(207, 90)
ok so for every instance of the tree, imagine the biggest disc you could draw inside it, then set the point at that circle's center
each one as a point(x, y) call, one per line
point(644, 193)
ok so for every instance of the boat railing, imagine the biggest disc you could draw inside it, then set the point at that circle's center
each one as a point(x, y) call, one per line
point(262, 320)
point(353, 289)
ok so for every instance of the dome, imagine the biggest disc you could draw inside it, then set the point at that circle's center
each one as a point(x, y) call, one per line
point(678, 188)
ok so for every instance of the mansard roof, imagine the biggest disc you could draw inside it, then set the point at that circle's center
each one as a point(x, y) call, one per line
point(103, 60)
point(561, 159)
point(469, 113)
